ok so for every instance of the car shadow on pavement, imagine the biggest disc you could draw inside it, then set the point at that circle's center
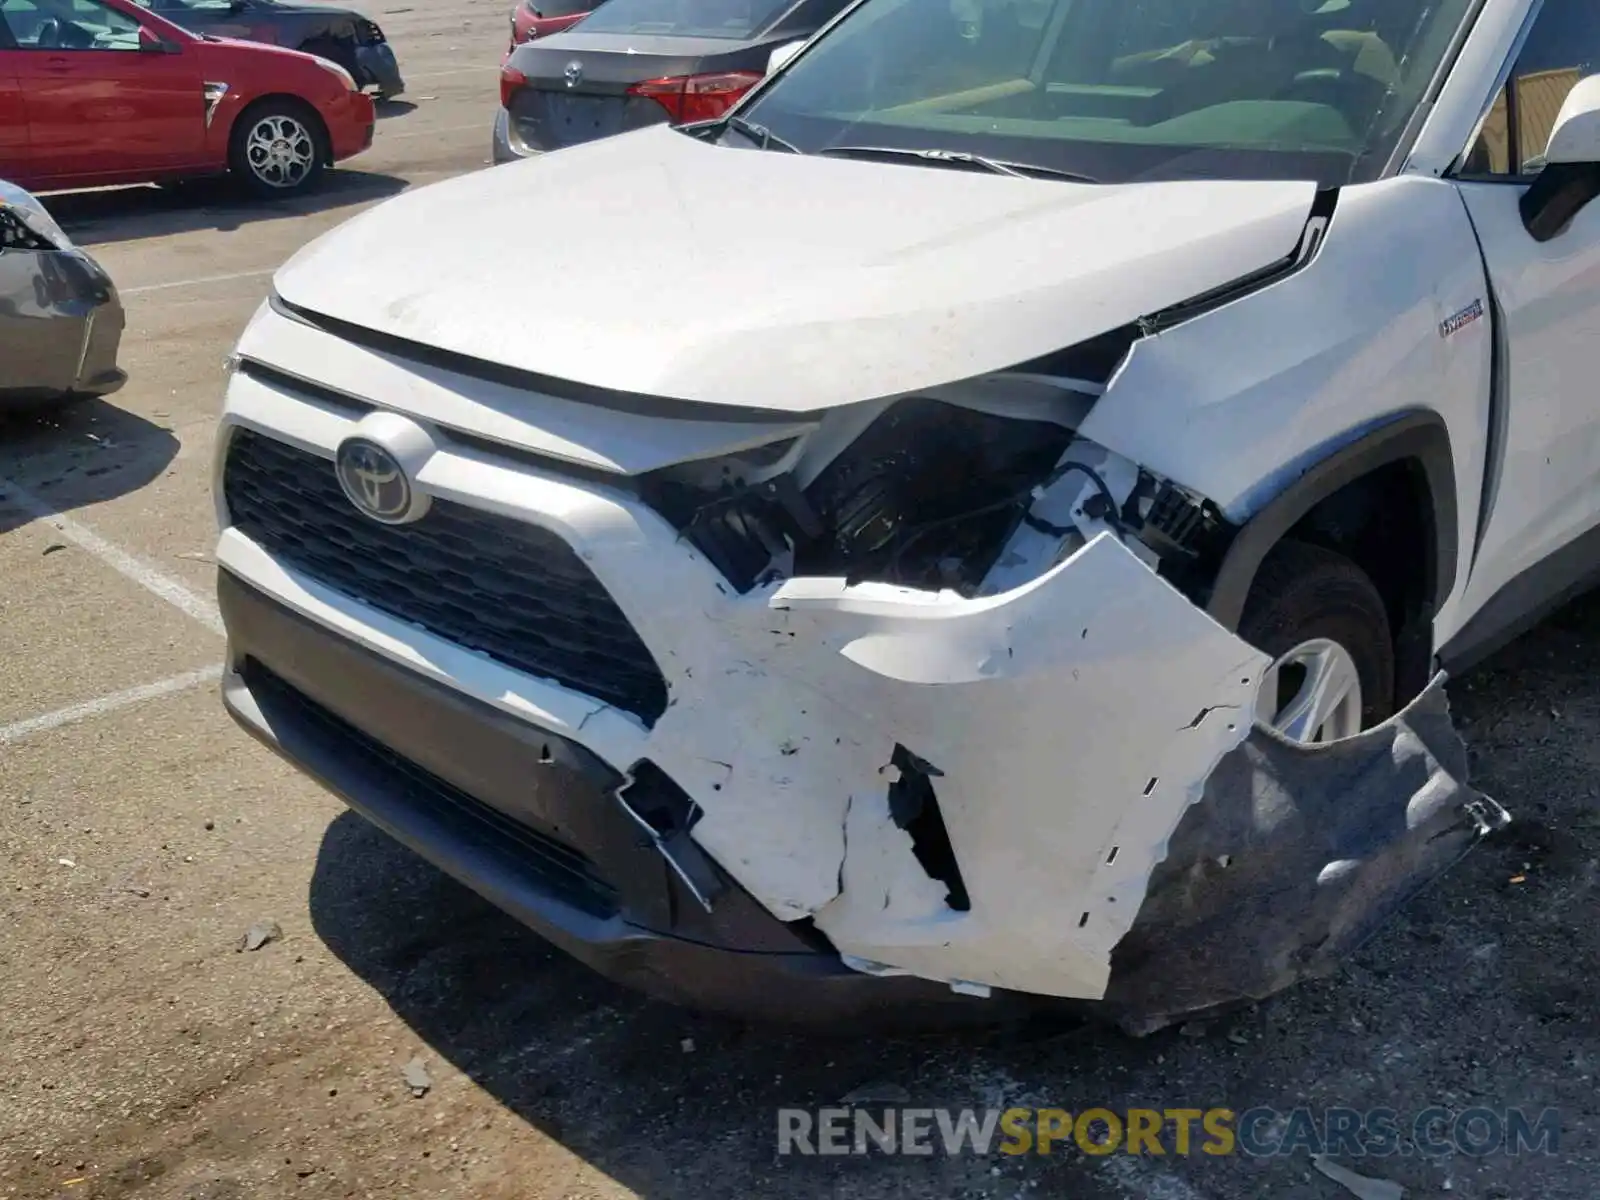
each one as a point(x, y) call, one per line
point(640, 1090)
point(130, 213)
point(394, 108)
point(74, 456)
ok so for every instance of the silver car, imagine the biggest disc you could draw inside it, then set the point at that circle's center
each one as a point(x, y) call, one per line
point(60, 318)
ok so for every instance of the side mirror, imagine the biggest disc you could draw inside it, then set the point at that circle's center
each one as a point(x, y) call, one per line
point(151, 43)
point(1576, 136)
point(1570, 178)
point(781, 56)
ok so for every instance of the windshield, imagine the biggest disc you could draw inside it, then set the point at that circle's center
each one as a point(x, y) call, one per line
point(733, 19)
point(1122, 90)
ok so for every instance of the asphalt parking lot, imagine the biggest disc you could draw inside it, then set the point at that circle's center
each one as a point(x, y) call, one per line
point(141, 835)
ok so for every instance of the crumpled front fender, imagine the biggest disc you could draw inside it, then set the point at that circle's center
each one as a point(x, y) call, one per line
point(1123, 829)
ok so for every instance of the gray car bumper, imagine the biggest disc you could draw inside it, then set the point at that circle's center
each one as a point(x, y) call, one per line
point(61, 325)
point(376, 67)
point(507, 146)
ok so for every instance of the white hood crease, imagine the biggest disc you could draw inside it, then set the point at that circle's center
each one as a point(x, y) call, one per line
point(827, 282)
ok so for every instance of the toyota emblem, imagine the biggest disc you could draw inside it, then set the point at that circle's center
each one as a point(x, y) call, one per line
point(573, 74)
point(374, 481)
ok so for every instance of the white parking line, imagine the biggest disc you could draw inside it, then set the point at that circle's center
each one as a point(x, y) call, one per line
point(181, 283)
point(18, 730)
point(119, 560)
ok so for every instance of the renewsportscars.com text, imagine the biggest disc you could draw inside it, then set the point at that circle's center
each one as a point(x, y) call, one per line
point(1257, 1132)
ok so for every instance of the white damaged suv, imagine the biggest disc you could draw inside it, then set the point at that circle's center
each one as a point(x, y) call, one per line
point(986, 521)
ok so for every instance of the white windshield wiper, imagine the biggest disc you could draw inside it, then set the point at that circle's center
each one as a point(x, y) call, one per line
point(958, 158)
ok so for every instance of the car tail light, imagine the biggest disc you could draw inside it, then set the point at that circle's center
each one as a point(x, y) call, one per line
point(510, 80)
point(690, 98)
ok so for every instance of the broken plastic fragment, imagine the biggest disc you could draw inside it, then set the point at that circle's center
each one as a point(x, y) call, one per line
point(259, 934)
point(868, 967)
point(416, 1076)
point(666, 815)
point(1362, 1186)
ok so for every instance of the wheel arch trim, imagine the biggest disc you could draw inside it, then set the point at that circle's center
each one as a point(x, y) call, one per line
point(1419, 435)
point(319, 126)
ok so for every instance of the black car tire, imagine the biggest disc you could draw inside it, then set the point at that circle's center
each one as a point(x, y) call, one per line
point(304, 133)
point(1304, 592)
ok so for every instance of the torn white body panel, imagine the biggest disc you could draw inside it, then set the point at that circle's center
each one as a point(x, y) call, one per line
point(1073, 722)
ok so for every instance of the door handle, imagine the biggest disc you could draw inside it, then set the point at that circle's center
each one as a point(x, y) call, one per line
point(58, 65)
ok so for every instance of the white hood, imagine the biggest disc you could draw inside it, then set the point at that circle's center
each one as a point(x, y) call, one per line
point(655, 264)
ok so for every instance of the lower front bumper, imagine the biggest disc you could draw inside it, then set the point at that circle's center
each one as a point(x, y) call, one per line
point(351, 122)
point(376, 68)
point(530, 821)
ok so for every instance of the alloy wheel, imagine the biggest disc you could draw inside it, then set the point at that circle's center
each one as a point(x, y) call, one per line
point(1314, 692)
point(280, 151)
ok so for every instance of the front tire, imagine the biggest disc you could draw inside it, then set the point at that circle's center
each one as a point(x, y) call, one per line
point(277, 148)
point(1325, 625)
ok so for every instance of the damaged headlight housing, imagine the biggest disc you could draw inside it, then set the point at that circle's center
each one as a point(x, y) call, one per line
point(928, 495)
point(25, 207)
point(933, 495)
point(925, 497)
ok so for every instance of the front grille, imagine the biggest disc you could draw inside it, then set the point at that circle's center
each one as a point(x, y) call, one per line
point(567, 873)
point(513, 591)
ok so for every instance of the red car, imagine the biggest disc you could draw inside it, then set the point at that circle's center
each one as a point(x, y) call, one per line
point(540, 18)
point(96, 92)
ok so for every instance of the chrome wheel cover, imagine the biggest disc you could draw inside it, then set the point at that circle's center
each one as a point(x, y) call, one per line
point(280, 151)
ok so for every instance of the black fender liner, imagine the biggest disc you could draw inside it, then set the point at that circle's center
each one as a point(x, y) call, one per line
point(1420, 435)
point(1292, 857)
